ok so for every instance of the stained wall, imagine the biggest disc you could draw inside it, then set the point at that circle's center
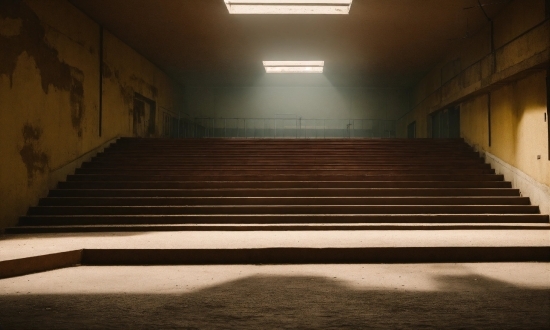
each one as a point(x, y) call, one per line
point(50, 95)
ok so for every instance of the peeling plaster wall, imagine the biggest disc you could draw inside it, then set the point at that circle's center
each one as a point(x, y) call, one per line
point(125, 73)
point(511, 82)
point(49, 95)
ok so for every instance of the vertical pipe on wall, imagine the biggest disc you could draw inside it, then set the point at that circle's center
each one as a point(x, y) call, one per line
point(100, 79)
point(492, 34)
point(494, 61)
point(489, 116)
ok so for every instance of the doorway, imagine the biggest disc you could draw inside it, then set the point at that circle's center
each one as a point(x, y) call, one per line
point(411, 130)
point(144, 116)
point(445, 123)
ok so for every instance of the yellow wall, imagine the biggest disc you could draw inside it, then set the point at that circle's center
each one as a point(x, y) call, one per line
point(49, 95)
point(474, 121)
point(518, 131)
point(514, 75)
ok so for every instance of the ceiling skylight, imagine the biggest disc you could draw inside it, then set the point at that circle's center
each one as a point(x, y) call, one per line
point(288, 6)
point(294, 66)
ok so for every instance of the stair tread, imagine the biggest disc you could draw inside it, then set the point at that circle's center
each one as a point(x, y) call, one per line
point(279, 227)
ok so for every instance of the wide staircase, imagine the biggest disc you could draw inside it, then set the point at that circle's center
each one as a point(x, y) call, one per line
point(355, 190)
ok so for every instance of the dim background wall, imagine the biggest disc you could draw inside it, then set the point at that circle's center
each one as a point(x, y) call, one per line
point(49, 96)
point(308, 102)
point(506, 83)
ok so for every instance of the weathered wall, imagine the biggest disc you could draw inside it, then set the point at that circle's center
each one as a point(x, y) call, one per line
point(308, 102)
point(49, 95)
point(510, 82)
point(126, 73)
point(521, 38)
point(518, 129)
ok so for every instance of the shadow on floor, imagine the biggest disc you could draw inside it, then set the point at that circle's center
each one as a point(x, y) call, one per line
point(290, 302)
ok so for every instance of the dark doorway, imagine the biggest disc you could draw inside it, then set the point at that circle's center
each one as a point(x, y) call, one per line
point(411, 130)
point(446, 123)
point(144, 116)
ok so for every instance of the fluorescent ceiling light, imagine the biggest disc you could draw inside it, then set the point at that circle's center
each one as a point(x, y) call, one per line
point(294, 66)
point(288, 6)
point(293, 69)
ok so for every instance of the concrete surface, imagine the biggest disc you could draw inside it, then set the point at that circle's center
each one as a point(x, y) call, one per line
point(432, 296)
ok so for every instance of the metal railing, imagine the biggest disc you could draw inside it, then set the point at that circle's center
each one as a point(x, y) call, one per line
point(170, 123)
point(289, 128)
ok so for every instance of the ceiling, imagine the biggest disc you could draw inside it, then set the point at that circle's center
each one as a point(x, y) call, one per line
point(389, 43)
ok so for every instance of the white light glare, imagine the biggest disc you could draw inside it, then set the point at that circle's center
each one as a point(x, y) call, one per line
point(288, 6)
point(294, 66)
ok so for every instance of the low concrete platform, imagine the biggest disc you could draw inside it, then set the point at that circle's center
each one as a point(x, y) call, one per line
point(21, 246)
point(23, 254)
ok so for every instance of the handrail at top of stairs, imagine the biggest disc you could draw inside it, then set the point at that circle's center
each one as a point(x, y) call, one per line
point(296, 128)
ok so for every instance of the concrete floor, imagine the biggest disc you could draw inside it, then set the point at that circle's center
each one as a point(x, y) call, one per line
point(21, 246)
point(437, 296)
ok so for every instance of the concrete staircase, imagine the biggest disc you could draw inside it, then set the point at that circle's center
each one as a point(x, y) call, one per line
point(230, 185)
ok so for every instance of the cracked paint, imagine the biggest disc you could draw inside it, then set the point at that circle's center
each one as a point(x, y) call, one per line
point(35, 160)
point(31, 39)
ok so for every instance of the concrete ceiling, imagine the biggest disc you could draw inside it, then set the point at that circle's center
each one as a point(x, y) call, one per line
point(380, 43)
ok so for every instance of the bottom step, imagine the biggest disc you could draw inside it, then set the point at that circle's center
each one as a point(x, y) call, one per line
point(29, 253)
point(279, 255)
point(275, 227)
point(292, 255)
point(238, 219)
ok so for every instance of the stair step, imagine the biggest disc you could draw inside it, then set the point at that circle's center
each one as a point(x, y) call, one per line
point(312, 255)
point(60, 220)
point(284, 209)
point(287, 192)
point(275, 227)
point(299, 159)
point(179, 201)
point(159, 176)
point(238, 164)
point(137, 169)
point(279, 184)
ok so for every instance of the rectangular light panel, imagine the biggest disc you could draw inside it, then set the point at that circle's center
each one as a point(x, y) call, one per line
point(288, 6)
point(294, 66)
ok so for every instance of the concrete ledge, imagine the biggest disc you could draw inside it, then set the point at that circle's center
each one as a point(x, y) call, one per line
point(276, 255)
point(24, 266)
point(529, 187)
point(313, 255)
point(25, 254)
